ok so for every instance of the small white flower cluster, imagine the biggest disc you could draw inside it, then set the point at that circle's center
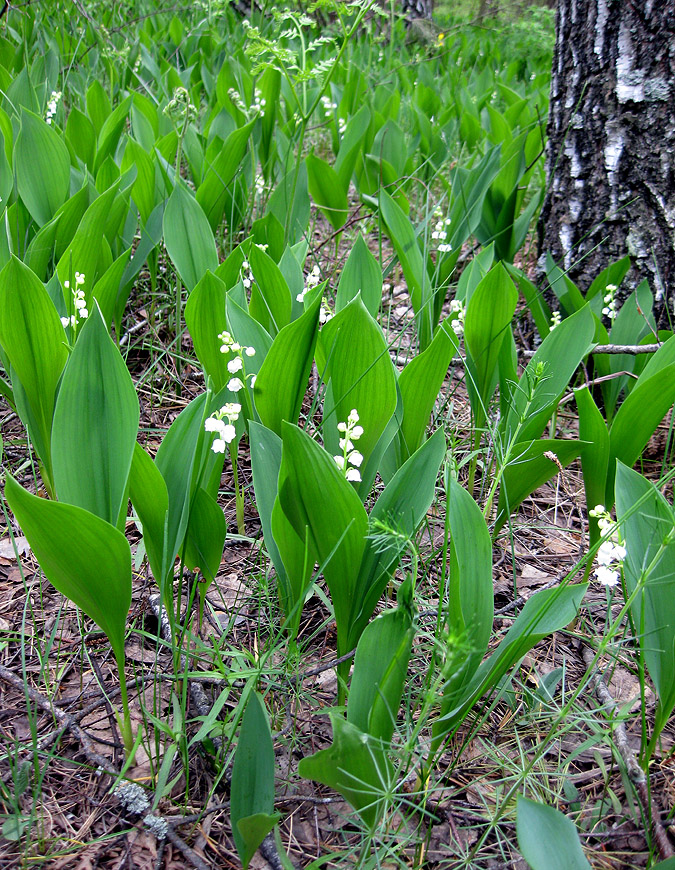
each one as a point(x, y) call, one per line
point(457, 307)
point(342, 126)
point(79, 302)
point(225, 430)
point(311, 281)
point(610, 309)
point(440, 233)
point(259, 184)
point(350, 460)
point(328, 106)
point(235, 96)
point(259, 102)
point(325, 314)
point(52, 105)
point(257, 106)
point(610, 553)
point(246, 275)
point(236, 364)
point(556, 320)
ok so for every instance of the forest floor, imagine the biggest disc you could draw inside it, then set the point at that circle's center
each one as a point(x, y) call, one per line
point(58, 686)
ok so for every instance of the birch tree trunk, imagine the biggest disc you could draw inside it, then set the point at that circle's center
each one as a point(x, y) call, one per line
point(611, 150)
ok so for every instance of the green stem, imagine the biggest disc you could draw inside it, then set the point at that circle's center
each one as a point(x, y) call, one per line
point(125, 724)
point(238, 492)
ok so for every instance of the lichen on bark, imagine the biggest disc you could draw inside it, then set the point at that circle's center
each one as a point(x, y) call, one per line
point(611, 143)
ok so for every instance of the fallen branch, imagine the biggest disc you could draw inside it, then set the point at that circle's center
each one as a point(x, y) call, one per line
point(158, 825)
point(630, 349)
point(635, 773)
point(65, 720)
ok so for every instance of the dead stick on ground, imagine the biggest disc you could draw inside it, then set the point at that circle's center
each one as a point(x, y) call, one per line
point(635, 772)
point(69, 722)
point(630, 349)
point(64, 720)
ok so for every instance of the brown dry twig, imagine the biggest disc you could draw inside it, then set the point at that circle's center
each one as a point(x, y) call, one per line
point(635, 773)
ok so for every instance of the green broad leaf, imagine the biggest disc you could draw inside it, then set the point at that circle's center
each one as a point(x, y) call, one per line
point(350, 146)
point(253, 830)
point(39, 253)
point(108, 174)
point(81, 136)
point(664, 357)
point(315, 496)
point(471, 595)
point(405, 243)
point(33, 340)
point(546, 611)
point(83, 254)
point(594, 456)
point(507, 366)
point(98, 105)
point(613, 274)
point(292, 557)
point(467, 189)
point(252, 788)
point(291, 268)
point(206, 319)
point(143, 189)
point(529, 468)
point(212, 192)
point(361, 274)
point(265, 465)
point(290, 203)
point(150, 499)
point(42, 166)
point(95, 425)
point(108, 286)
point(188, 237)
point(488, 316)
point(547, 839)
point(637, 419)
point(95, 574)
point(474, 273)
point(541, 313)
point(282, 379)
point(270, 87)
point(356, 766)
point(110, 132)
point(270, 297)
point(179, 460)
point(205, 536)
point(327, 191)
point(558, 356)
point(380, 672)
point(298, 559)
point(361, 374)
point(248, 332)
point(650, 560)
point(151, 235)
point(403, 505)
point(420, 382)
point(565, 289)
point(70, 214)
point(268, 231)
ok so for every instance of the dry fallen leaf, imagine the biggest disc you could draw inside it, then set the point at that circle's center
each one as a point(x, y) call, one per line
point(7, 547)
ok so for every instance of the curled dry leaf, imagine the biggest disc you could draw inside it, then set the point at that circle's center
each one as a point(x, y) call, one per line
point(7, 547)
